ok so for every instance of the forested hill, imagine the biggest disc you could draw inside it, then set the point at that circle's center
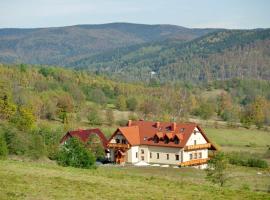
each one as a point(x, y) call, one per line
point(221, 55)
point(132, 51)
point(63, 45)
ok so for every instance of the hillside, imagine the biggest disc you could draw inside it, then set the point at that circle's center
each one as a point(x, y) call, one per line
point(220, 55)
point(62, 45)
point(29, 180)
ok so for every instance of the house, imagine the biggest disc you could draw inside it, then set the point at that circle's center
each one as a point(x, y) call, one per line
point(182, 144)
point(84, 136)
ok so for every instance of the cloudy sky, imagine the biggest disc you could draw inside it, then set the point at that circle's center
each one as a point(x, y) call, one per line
point(190, 13)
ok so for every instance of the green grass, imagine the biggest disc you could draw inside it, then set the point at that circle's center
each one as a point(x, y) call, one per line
point(254, 141)
point(29, 180)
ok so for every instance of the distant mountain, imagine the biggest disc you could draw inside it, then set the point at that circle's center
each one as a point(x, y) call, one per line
point(133, 51)
point(220, 55)
point(63, 45)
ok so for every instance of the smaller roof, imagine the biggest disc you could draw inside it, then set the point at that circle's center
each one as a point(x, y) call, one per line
point(84, 135)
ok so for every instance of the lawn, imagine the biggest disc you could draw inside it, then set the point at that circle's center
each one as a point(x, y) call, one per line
point(240, 139)
point(33, 180)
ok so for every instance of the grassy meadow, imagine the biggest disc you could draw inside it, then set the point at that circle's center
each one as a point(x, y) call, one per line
point(36, 180)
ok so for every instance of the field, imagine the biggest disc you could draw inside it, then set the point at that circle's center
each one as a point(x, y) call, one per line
point(33, 180)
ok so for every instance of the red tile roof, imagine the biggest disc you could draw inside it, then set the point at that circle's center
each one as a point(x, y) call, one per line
point(142, 133)
point(83, 135)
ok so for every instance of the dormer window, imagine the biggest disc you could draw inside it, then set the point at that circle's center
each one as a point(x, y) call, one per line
point(176, 140)
point(166, 140)
point(156, 139)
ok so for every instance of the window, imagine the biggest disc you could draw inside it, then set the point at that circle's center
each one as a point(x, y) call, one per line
point(142, 157)
point(157, 155)
point(168, 156)
point(182, 129)
point(195, 155)
point(123, 141)
point(117, 141)
point(150, 154)
point(156, 139)
point(200, 154)
point(176, 157)
point(190, 156)
point(176, 140)
point(195, 132)
point(195, 142)
point(166, 140)
point(136, 154)
point(142, 151)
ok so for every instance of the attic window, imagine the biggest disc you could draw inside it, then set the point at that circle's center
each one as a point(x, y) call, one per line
point(182, 129)
point(166, 140)
point(156, 139)
point(176, 140)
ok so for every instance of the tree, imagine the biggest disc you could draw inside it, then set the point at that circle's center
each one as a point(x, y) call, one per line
point(110, 116)
point(94, 116)
point(132, 103)
point(94, 144)
point(23, 119)
point(3, 147)
point(257, 111)
point(205, 111)
point(7, 109)
point(216, 171)
point(74, 153)
point(121, 103)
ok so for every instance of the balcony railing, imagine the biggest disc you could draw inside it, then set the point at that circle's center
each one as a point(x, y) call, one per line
point(118, 145)
point(194, 162)
point(197, 146)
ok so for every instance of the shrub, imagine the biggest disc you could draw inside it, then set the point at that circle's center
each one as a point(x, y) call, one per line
point(217, 169)
point(94, 117)
point(255, 162)
point(246, 159)
point(3, 147)
point(74, 153)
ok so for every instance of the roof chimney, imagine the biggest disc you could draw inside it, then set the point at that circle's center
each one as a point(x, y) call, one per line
point(174, 126)
point(129, 122)
point(157, 124)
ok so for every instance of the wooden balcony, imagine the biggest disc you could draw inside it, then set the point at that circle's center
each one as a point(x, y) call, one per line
point(197, 147)
point(119, 145)
point(194, 162)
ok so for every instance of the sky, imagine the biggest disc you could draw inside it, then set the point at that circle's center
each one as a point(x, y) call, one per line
point(233, 14)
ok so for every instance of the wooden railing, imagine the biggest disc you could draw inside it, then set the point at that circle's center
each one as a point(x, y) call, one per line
point(194, 162)
point(118, 145)
point(197, 146)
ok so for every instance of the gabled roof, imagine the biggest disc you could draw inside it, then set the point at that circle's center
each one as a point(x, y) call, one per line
point(142, 132)
point(131, 134)
point(83, 135)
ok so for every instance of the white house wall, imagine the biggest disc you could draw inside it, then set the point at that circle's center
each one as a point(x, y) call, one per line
point(131, 153)
point(198, 137)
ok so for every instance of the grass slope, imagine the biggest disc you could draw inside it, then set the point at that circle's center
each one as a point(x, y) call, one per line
point(26, 180)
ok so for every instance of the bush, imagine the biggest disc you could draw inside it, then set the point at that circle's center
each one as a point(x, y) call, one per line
point(3, 147)
point(255, 162)
point(94, 117)
point(74, 153)
point(246, 159)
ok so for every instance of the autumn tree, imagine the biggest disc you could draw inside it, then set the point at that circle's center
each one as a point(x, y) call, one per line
point(7, 108)
point(24, 119)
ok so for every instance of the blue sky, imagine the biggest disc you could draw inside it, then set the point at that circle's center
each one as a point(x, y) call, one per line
point(244, 14)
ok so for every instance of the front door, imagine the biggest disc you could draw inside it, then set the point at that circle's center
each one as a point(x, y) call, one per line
point(120, 157)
